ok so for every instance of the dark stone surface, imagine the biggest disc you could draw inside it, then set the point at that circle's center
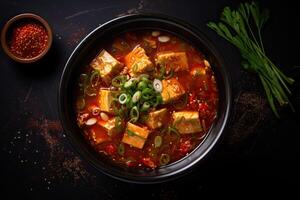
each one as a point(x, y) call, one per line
point(258, 154)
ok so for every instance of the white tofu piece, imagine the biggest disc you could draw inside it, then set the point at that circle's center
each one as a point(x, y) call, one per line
point(138, 62)
point(176, 61)
point(105, 101)
point(187, 122)
point(107, 65)
point(172, 90)
point(156, 118)
point(109, 126)
point(135, 135)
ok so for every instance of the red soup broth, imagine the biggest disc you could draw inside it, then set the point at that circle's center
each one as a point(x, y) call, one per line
point(165, 144)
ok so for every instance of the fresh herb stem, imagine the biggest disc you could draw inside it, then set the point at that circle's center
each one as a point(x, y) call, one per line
point(235, 27)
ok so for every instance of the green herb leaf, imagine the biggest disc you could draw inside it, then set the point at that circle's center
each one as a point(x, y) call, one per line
point(235, 27)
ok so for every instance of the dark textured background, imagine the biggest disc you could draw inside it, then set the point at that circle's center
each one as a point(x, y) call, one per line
point(259, 154)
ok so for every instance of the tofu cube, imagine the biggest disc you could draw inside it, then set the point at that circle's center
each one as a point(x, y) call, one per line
point(107, 65)
point(109, 126)
point(156, 118)
point(138, 62)
point(135, 136)
point(187, 122)
point(172, 90)
point(173, 61)
point(106, 98)
point(97, 136)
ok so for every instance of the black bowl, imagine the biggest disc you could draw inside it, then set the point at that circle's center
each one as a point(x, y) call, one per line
point(88, 48)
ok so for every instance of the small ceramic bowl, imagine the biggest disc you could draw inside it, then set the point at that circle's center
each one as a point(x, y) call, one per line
point(7, 31)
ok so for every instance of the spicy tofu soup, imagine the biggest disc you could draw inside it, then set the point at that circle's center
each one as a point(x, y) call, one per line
point(146, 100)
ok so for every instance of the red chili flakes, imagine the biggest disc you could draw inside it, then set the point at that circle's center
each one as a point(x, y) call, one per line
point(28, 40)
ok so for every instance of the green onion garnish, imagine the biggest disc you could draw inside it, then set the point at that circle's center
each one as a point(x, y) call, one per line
point(145, 107)
point(122, 98)
point(164, 159)
point(118, 80)
point(136, 97)
point(121, 149)
point(134, 114)
point(95, 78)
point(157, 141)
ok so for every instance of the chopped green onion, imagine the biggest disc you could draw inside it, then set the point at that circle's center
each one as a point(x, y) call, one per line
point(164, 159)
point(135, 68)
point(162, 72)
point(130, 133)
point(157, 141)
point(174, 130)
point(142, 85)
point(118, 123)
point(118, 80)
point(134, 114)
point(80, 103)
point(146, 105)
point(158, 100)
point(147, 93)
point(122, 98)
point(82, 80)
point(145, 78)
point(157, 85)
point(95, 77)
point(121, 149)
point(136, 97)
point(131, 82)
point(90, 91)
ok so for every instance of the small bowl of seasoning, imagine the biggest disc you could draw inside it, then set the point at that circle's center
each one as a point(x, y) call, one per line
point(26, 38)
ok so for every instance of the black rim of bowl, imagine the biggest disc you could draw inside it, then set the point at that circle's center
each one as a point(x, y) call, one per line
point(158, 22)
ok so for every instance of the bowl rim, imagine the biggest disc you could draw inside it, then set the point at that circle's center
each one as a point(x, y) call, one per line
point(14, 20)
point(227, 92)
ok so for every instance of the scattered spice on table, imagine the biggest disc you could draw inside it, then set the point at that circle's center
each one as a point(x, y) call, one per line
point(28, 40)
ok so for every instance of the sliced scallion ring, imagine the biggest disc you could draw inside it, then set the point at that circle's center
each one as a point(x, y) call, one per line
point(134, 114)
point(95, 78)
point(145, 107)
point(142, 85)
point(90, 91)
point(136, 97)
point(122, 98)
point(128, 84)
point(82, 80)
point(121, 149)
point(118, 80)
point(164, 159)
point(157, 141)
point(157, 85)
